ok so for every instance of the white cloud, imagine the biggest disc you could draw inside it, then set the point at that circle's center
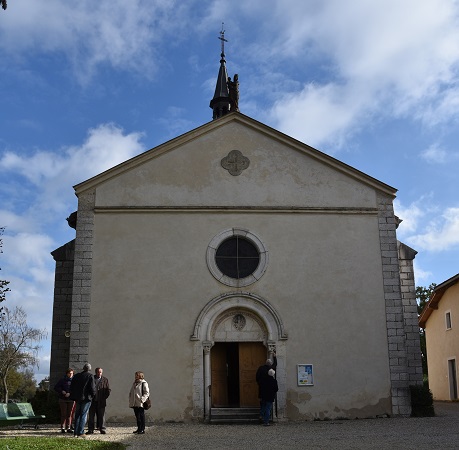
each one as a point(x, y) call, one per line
point(105, 147)
point(28, 265)
point(125, 35)
point(406, 64)
point(27, 242)
point(17, 222)
point(386, 57)
point(318, 114)
point(442, 233)
point(410, 215)
point(425, 227)
point(175, 121)
point(434, 154)
point(422, 276)
point(44, 359)
point(26, 251)
point(56, 171)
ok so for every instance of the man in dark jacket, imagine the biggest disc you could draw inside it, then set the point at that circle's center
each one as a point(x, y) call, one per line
point(262, 375)
point(268, 393)
point(99, 402)
point(82, 390)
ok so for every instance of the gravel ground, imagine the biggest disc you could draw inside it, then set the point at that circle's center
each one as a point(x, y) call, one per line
point(440, 432)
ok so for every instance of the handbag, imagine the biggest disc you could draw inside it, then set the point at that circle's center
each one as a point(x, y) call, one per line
point(147, 403)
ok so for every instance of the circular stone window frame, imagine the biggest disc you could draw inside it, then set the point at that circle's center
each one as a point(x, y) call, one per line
point(225, 279)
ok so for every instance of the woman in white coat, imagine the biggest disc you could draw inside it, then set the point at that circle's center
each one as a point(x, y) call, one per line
point(137, 396)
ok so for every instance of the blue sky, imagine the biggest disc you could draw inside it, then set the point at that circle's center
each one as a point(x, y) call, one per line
point(86, 85)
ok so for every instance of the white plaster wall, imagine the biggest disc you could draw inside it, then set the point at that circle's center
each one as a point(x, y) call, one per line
point(150, 281)
point(443, 344)
point(278, 175)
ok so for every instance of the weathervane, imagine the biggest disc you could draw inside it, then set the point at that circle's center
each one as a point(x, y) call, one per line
point(222, 38)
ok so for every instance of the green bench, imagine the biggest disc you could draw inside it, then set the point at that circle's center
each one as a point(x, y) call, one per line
point(22, 412)
point(5, 416)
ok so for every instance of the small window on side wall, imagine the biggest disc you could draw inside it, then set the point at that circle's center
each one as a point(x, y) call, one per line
point(448, 320)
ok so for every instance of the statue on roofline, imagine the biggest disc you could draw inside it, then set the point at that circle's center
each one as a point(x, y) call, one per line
point(233, 90)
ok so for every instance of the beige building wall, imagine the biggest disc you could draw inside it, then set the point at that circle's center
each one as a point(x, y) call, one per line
point(151, 284)
point(443, 344)
point(329, 295)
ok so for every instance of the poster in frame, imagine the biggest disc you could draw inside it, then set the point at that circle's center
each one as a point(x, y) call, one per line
point(305, 375)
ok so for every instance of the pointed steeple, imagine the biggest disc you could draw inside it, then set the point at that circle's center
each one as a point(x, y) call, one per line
point(221, 103)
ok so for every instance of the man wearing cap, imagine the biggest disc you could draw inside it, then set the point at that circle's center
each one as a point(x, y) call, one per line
point(82, 391)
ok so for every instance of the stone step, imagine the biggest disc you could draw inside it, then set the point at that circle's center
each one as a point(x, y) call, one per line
point(234, 415)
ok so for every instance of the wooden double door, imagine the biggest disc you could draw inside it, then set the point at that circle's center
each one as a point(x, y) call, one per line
point(234, 366)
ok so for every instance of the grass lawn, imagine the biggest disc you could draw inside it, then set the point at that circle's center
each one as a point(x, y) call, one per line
point(51, 443)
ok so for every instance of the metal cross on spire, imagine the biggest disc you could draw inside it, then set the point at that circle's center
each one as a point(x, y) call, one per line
point(222, 38)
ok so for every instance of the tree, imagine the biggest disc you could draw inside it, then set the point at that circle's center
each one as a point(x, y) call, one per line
point(22, 385)
point(43, 386)
point(27, 386)
point(18, 344)
point(423, 296)
point(3, 283)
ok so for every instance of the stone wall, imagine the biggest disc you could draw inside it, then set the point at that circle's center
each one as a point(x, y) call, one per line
point(401, 310)
point(62, 309)
point(398, 361)
point(410, 310)
point(81, 300)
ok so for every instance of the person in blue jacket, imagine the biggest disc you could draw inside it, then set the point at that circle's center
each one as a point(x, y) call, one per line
point(66, 404)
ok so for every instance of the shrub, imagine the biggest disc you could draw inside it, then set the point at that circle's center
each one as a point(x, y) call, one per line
point(47, 403)
point(421, 401)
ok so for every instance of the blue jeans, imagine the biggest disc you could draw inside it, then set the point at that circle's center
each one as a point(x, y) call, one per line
point(266, 410)
point(81, 411)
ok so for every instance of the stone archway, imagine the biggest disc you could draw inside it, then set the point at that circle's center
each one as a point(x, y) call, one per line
point(235, 317)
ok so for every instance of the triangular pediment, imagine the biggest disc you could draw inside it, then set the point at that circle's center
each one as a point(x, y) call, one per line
point(234, 160)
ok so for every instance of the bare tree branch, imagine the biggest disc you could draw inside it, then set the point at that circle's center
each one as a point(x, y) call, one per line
point(3, 283)
point(18, 343)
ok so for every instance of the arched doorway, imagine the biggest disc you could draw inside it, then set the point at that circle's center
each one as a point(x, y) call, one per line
point(234, 334)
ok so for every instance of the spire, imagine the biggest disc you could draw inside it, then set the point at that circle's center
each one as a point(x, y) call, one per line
point(223, 101)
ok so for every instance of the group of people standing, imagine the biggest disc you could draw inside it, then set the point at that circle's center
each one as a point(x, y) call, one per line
point(84, 397)
point(267, 388)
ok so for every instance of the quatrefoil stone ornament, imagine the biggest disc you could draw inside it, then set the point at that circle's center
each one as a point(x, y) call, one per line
point(235, 162)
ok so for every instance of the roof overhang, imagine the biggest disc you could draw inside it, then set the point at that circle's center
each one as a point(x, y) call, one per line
point(435, 298)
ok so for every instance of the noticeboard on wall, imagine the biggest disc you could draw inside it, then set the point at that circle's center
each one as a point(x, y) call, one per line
point(305, 375)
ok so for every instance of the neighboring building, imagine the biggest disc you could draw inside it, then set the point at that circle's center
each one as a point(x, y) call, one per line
point(440, 319)
point(197, 259)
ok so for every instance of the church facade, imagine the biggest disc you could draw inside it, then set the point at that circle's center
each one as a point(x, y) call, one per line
point(196, 260)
